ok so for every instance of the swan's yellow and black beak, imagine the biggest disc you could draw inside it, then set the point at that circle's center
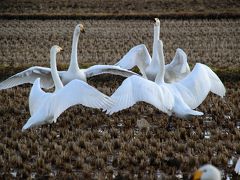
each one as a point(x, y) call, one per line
point(82, 29)
point(197, 175)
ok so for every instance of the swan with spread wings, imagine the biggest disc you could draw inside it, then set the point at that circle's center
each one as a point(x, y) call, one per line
point(74, 72)
point(148, 66)
point(47, 107)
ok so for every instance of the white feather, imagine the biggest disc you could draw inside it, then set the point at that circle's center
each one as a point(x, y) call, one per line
point(73, 72)
point(140, 57)
point(47, 107)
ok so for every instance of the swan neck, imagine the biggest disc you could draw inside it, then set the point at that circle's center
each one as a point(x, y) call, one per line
point(74, 61)
point(161, 65)
point(56, 79)
point(156, 36)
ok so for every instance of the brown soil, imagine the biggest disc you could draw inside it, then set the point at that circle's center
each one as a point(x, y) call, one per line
point(27, 43)
point(86, 143)
point(104, 7)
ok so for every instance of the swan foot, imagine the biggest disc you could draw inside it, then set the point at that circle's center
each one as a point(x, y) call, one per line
point(170, 126)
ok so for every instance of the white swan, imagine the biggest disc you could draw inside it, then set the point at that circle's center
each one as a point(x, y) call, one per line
point(207, 172)
point(140, 57)
point(73, 72)
point(179, 97)
point(47, 107)
point(237, 167)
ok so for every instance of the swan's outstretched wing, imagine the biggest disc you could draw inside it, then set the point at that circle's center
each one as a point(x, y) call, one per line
point(107, 69)
point(135, 89)
point(39, 117)
point(137, 56)
point(79, 92)
point(36, 97)
point(29, 76)
point(195, 87)
point(178, 68)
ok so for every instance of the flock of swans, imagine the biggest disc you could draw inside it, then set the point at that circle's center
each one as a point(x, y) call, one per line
point(171, 88)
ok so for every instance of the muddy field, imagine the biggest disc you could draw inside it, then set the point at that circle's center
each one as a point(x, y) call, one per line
point(86, 143)
point(102, 7)
point(214, 42)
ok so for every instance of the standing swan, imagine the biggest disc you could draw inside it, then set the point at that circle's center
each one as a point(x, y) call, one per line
point(73, 72)
point(136, 88)
point(47, 107)
point(140, 57)
point(179, 97)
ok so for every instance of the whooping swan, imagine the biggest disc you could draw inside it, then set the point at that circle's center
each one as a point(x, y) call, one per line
point(47, 107)
point(140, 57)
point(74, 72)
point(178, 98)
point(136, 88)
point(207, 172)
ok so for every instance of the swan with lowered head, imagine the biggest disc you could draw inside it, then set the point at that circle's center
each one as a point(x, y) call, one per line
point(148, 66)
point(74, 72)
point(179, 98)
point(47, 107)
point(207, 172)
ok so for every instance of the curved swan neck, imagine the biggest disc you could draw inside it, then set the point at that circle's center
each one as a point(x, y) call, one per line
point(56, 79)
point(74, 61)
point(161, 63)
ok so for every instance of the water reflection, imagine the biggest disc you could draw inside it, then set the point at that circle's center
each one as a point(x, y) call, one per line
point(207, 134)
point(238, 124)
point(158, 175)
point(179, 174)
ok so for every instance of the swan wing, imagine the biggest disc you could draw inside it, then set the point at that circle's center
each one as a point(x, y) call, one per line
point(79, 92)
point(37, 96)
point(135, 89)
point(40, 117)
point(137, 56)
point(195, 87)
point(109, 69)
point(178, 68)
point(29, 76)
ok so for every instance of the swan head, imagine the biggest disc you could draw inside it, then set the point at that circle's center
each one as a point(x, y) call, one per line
point(56, 49)
point(180, 54)
point(79, 28)
point(207, 171)
point(157, 22)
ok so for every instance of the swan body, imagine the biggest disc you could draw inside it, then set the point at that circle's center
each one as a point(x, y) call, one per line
point(74, 72)
point(179, 98)
point(140, 57)
point(47, 107)
point(207, 172)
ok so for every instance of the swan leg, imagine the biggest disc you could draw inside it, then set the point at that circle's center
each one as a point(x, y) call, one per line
point(170, 126)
